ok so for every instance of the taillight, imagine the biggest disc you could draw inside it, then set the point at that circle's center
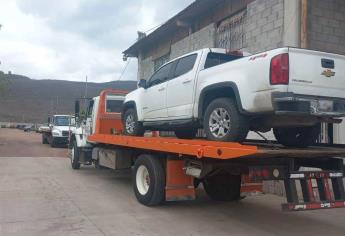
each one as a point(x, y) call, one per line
point(279, 70)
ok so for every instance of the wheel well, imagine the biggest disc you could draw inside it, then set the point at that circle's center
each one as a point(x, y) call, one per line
point(127, 106)
point(212, 94)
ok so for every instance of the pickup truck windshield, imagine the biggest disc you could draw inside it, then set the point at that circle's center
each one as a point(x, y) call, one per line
point(61, 121)
point(215, 59)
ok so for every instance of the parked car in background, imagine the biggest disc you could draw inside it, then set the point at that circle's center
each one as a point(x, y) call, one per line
point(288, 89)
point(43, 128)
point(29, 128)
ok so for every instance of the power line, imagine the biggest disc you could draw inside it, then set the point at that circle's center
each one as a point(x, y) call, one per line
point(124, 69)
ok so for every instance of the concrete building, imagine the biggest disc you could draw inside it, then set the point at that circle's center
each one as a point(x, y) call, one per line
point(250, 25)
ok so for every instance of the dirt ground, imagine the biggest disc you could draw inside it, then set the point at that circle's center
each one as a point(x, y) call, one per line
point(40, 194)
point(17, 143)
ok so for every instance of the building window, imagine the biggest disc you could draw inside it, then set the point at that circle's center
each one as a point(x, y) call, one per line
point(161, 61)
point(230, 32)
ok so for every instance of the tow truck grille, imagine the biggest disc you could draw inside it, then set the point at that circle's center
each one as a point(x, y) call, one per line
point(65, 133)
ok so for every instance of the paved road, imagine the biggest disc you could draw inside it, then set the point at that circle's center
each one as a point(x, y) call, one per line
point(17, 143)
point(44, 196)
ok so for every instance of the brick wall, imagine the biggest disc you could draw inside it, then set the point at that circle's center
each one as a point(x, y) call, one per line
point(264, 25)
point(326, 25)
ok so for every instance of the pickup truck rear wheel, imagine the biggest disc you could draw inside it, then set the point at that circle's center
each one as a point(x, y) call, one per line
point(186, 134)
point(149, 180)
point(298, 136)
point(131, 124)
point(223, 187)
point(223, 121)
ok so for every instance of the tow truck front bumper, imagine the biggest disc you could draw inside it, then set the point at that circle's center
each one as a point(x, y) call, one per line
point(293, 104)
point(60, 140)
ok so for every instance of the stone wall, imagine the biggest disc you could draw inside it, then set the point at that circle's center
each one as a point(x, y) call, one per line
point(326, 25)
point(201, 39)
point(264, 25)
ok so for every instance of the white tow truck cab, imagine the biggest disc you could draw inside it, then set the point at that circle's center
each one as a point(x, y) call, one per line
point(109, 109)
point(59, 130)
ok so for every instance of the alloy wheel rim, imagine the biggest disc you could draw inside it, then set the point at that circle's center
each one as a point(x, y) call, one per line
point(219, 123)
point(130, 124)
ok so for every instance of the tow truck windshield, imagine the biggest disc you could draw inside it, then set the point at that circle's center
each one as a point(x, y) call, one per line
point(64, 121)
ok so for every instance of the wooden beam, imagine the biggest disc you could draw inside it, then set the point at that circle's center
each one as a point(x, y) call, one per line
point(304, 23)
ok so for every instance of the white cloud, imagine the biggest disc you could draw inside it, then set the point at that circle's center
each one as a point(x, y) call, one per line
point(71, 39)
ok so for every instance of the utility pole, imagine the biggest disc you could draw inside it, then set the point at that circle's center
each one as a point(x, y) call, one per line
point(85, 95)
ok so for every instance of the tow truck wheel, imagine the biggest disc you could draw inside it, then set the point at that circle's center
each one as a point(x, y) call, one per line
point(224, 122)
point(131, 124)
point(44, 139)
point(75, 154)
point(149, 180)
point(223, 187)
point(298, 136)
point(52, 143)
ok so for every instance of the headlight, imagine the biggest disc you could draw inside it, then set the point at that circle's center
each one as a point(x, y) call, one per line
point(56, 133)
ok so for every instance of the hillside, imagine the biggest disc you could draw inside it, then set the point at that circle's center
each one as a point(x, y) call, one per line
point(27, 100)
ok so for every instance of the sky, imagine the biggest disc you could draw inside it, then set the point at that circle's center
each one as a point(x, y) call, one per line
point(72, 39)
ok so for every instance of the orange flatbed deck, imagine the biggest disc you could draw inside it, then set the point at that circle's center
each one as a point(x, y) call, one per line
point(201, 148)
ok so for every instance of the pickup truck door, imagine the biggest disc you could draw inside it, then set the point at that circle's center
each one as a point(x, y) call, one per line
point(154, 96)
point(180, 89)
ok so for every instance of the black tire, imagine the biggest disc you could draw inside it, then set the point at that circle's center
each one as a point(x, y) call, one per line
point(238, 124)
point(223, 187)
point(44, 140)
point(75, 159)
point(155, 194)
point(298, 136)
point(136, 128)
point(186, 134)
point(52, 143)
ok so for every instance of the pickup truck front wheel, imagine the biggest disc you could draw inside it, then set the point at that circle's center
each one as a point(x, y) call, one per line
point(298, 136)
point(131, 124)
point(223, 121)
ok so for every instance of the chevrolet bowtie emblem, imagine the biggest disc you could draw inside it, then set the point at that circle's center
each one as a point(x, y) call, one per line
point(328, 73)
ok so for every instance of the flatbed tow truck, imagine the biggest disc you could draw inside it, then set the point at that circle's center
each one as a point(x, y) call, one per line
point(170, 169)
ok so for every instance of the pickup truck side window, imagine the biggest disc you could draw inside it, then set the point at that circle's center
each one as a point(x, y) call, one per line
point(185, 65)
point(160, 76)
point(215, 59)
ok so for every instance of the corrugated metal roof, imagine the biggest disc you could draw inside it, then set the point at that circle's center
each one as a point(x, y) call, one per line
point(192, 11)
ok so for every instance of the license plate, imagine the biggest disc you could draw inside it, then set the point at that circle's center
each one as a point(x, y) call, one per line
point(325, 105)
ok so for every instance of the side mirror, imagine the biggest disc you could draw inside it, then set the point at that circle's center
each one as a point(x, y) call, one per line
point(77, 108)
point(48, 120)
point(142, 83)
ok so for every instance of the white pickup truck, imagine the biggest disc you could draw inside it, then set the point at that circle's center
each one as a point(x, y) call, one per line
point(288, 89)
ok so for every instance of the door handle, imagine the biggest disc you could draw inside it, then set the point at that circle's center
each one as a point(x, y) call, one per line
point(161, 89)
point(187, 81)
